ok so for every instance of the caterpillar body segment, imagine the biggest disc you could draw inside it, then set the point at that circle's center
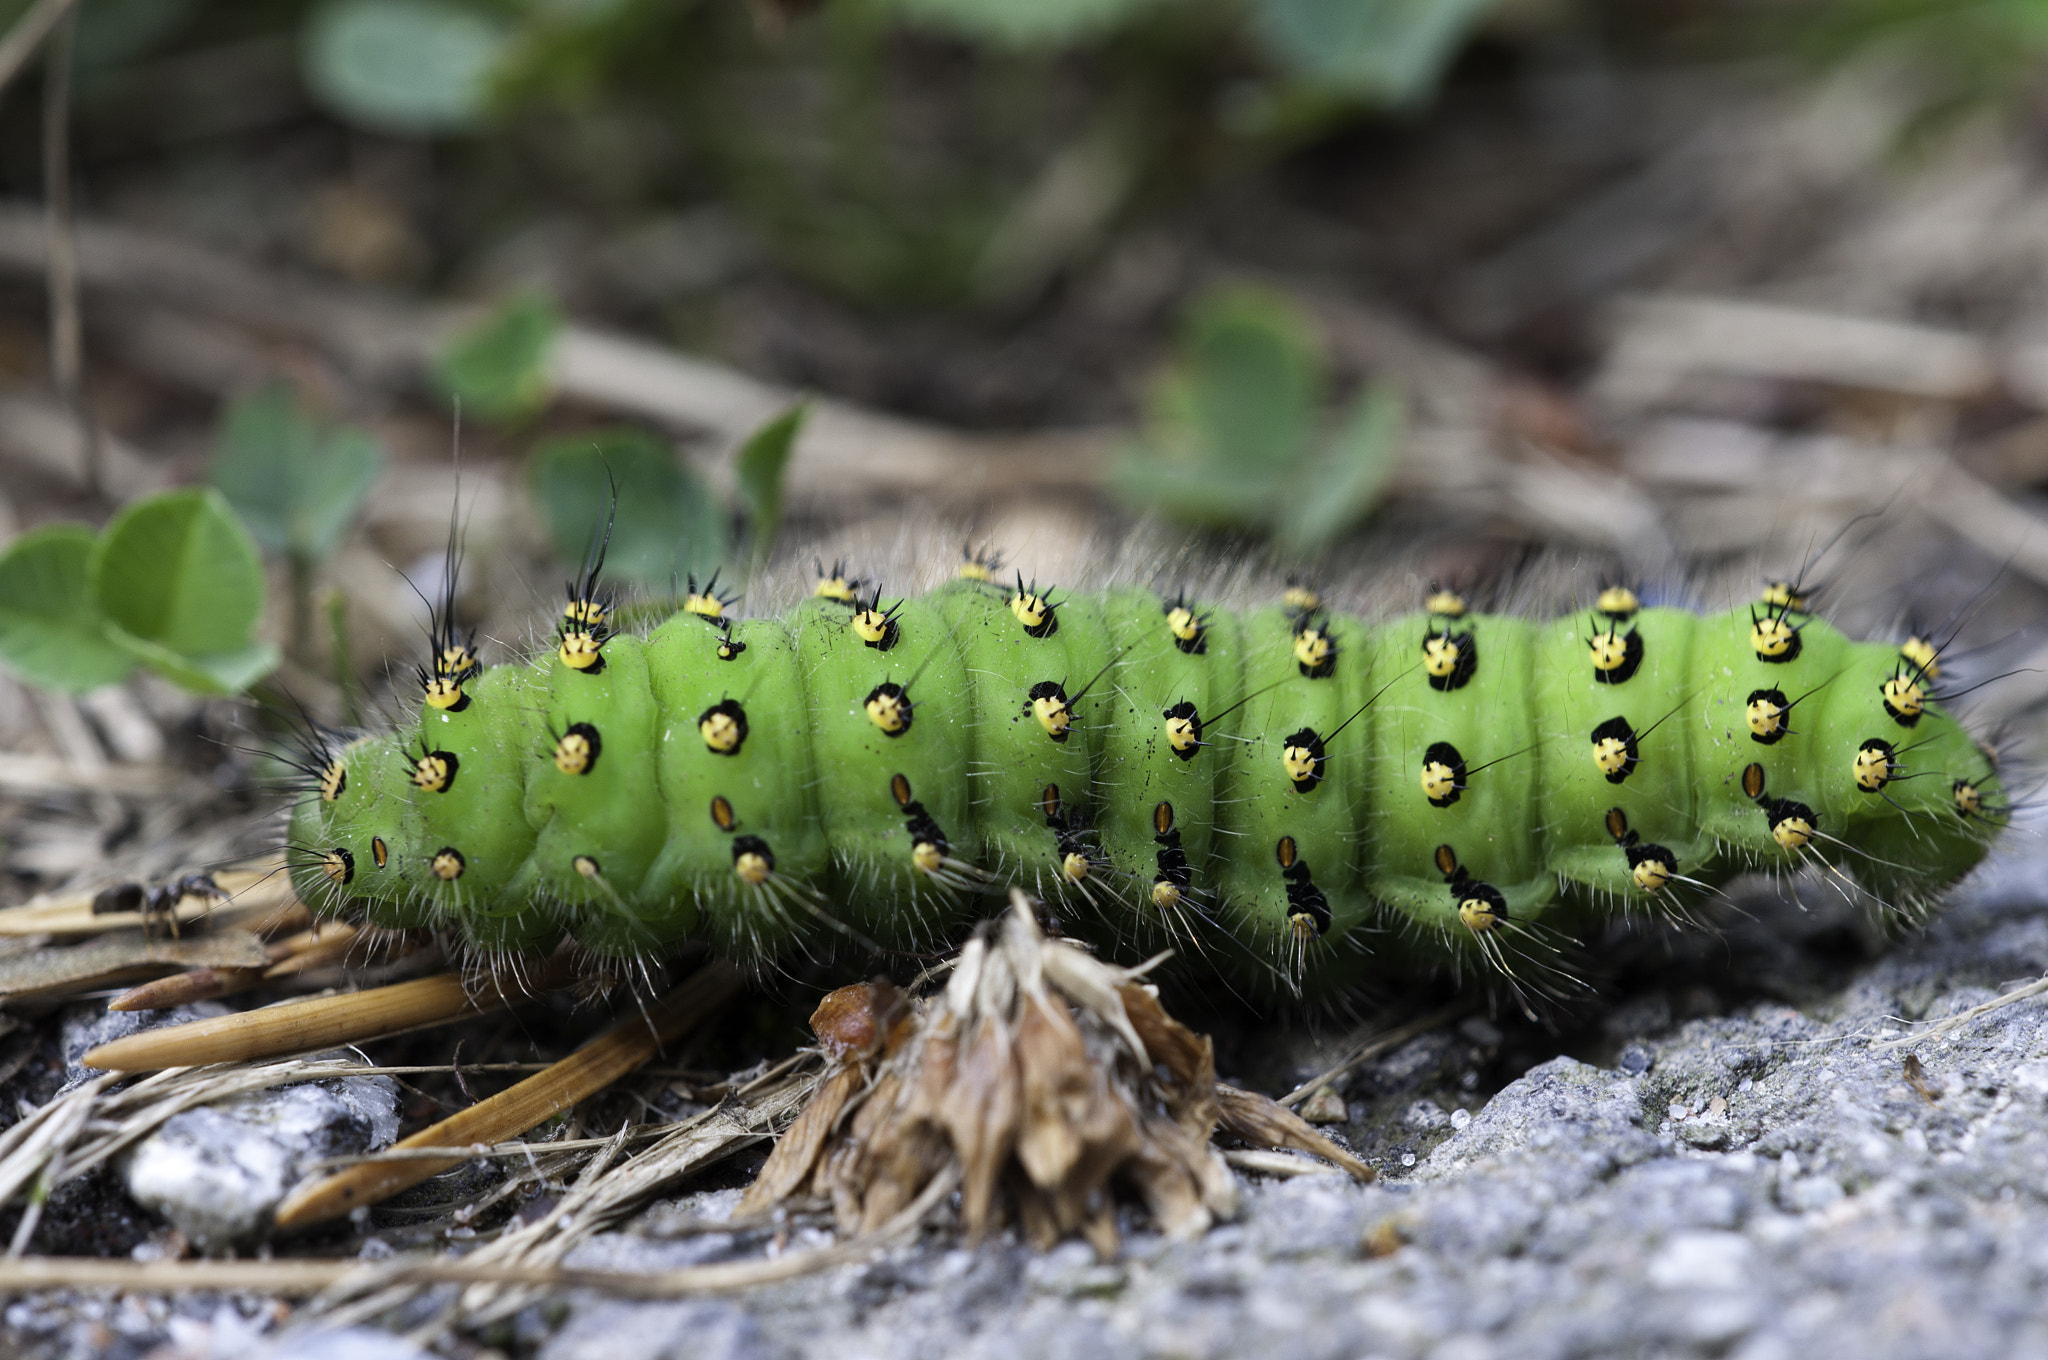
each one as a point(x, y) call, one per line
point(1169, 740)
point(737, 776)
point(1284, 790)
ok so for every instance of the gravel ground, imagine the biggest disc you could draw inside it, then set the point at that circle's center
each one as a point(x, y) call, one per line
point(1767, 1182)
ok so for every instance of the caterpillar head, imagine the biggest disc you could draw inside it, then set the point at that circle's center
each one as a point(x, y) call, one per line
point(348, 843)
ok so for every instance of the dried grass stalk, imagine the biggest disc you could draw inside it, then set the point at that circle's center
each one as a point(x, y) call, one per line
point(630, 1042)
point(1043, 1080)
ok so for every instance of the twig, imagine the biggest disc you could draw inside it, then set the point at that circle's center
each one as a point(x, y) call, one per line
point(310, 1025)
point(1950, 1024)
point(630, 1042)
point(306, 1277)
point(67, 327)
point(258, 898)
point(27, 35)
point(325, 943)
point(1277, 1163)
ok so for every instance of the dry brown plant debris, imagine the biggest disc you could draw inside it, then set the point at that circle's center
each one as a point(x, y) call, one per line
point(1042, 1079)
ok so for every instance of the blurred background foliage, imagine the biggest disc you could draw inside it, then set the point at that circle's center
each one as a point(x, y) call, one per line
point(897, 153)
point(947, 209)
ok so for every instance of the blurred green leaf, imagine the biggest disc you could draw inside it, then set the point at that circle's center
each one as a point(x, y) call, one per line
point(1021, 23)
point(498, 369)
point(230, 672)
point(403, 66)
point(1232, 439)
point(1392, 51)
point(758, 474)
point(297, 485)
point(1219, 499)
point(51, 633)
point(1244, 392)
point(1345, 478)
point(666, 520)
point(1231, 416)
point(180, 583)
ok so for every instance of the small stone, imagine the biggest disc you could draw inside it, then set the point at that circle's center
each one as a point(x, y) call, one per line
point(88, 1025)
point(1480, 1031)
point(340, 1343)
point(1325, 1106)
point(1425, 1115)
point(704, 1330)
point(218, 1171)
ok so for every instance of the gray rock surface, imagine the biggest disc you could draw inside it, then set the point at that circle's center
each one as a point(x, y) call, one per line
point(88, 1024)
point(217, 1171)
point(697, 1330)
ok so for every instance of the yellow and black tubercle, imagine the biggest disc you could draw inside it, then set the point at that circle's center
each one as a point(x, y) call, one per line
point(1281, 789)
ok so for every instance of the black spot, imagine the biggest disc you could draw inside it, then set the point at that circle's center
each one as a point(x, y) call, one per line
point(1617, 729)
point(1776, 699)
point(1631, 659)
point(1173, 859)
point(1447, 755)
point(1462, 670)
point(729, 708)
point(1327, 667)
point(923, 828)
point(1778, 811)
point(1186, 710)
point(1639, 852)
point(450, 764)
point(1466, 888)
point(589, 735)
point(752, 845)
point(889, 689)
point(1307, 740)
point(1198, 644)
point(1304, 898)
point(1049, 689)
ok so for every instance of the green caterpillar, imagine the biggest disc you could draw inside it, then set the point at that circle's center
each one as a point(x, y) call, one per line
point(1298, 794)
